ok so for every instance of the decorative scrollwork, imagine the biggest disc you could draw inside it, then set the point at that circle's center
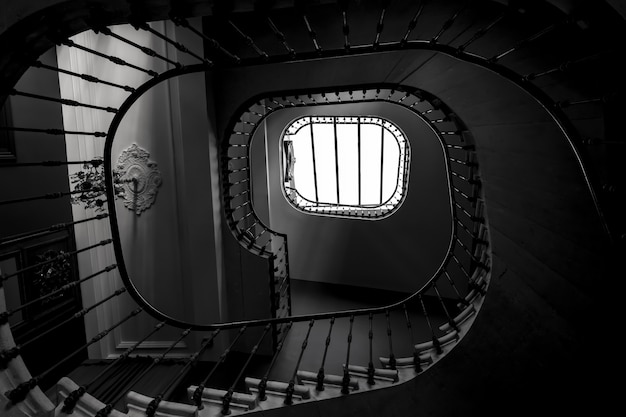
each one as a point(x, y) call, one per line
point(55, 273)
point(139, 178)
point(88, 185)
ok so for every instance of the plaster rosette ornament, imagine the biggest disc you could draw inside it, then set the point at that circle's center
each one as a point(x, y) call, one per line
point(139, 178)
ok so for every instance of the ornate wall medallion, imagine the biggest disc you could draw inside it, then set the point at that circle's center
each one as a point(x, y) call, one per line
point(139, 178)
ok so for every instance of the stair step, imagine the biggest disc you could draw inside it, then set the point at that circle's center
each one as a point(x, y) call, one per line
point(241, 401)
point(87, 405)
point(388, 375)
point(138, 403)
point(451, 337)
point(329, 379)
point(468, 312)
point(277, 387)
point(425, 359)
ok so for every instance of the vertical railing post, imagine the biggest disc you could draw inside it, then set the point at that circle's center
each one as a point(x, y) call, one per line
point(345, 383)
point(370, 366)
point(292, 381)
point(320, 374)
point(197, 394)
point(416, 358)
point(263, 384)
point(229, 395)
point(392, 358)
point(436, 342)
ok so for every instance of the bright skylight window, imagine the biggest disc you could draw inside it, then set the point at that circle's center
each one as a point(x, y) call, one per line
point(347, 166)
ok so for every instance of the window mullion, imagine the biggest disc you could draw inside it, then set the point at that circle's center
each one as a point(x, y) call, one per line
point(336, 158)
point(382, 157)
point(317, 199)
point(359, 151)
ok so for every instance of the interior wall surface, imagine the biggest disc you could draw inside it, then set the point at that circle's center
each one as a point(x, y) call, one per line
point(170, 248)
point(29, 147)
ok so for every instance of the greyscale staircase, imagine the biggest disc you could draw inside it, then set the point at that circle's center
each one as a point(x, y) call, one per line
point(503, 88)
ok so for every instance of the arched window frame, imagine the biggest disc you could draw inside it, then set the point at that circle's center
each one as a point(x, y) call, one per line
point(371, 211)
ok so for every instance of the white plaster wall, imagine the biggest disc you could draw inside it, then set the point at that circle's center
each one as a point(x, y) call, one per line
point(170, 250)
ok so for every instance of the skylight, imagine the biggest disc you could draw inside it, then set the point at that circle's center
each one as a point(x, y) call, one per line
point(347, 166)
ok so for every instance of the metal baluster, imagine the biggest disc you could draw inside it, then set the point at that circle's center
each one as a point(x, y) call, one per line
point(448, 24)
point(413, 23)
point(461, 299)
point(263, 383)
point(86, 77)
point(470, 180)
point(212, 43)
point(468, 214)
point(11, 240)
point(345, 383)
point(93, 162)
point(248, 41)
point(292, 381)
point(48, 196)
point(568, 103)
point(64, 101)
point(48, 132)
point(523, 43)
point(4, 316)
point(7, 355)
point(197, 394)
point(240, 194)
point(256, 237)
point(381, 23)
point(312, 35)
point(471, 255)
point(244, 217)
point(61, 257)
point(150, 52)
point(565, 66)
point(436, 343)
point(73, 397)
point(229, 395)
point(482, 32)
point(245, 203)
point(20, 392)
point(106, 410)
point(280, 36)
point(343, 4)
point(138, 24)
point(167, 391)
point(116, 60)
point(416, 358)
point(464, 195)
point(370, 366)
point(392, 357)
point(451, 322)
point(460, 265)
point(239, 182)
point(320, 374)
point(234, 171)
point(470, 232)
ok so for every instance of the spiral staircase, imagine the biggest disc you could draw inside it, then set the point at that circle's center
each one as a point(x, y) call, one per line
point(523, 99)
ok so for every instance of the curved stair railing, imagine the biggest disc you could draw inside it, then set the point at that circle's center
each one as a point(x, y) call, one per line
point(465, 269)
